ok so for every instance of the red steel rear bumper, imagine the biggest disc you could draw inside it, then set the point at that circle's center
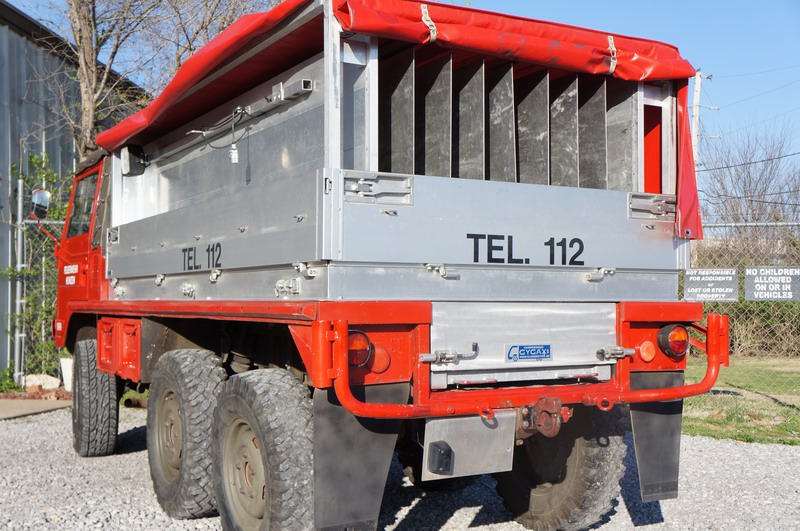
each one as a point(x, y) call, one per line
point(427, 403)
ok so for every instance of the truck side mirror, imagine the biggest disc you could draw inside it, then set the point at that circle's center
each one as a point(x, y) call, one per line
point(41, 202)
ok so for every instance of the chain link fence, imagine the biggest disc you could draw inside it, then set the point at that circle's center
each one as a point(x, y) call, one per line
point(758, 396)
point(39, 276)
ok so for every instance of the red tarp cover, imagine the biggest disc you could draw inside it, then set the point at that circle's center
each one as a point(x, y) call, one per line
point(514, 38)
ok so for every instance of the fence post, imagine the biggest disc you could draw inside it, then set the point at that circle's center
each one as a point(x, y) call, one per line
point(19, 332)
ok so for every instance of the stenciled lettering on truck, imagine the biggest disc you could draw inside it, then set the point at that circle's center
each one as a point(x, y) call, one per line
point(499, 249)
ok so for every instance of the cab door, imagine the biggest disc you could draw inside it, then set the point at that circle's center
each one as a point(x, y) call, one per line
point(80, 259)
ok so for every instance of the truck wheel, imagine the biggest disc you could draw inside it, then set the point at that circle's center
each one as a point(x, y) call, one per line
point(95, 407)
point(568, 481)
point(183, 395)
point(263, 447)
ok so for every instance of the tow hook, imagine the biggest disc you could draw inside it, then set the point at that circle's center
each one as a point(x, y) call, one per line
point(545, 417)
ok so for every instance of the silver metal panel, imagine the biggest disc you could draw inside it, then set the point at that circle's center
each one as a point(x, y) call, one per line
point(592, 132)
point(571, 332)
point(480, 446)
point(564, 131)
point(507, 223)
point(623, 144)
point(533, 128)
point(501, 144)
point(257, 226)
point(396, 117)
point(469, 122)
point(354, 106)
point(433, 119)
point(283, 142)
point(242, 284)
point(397, 282)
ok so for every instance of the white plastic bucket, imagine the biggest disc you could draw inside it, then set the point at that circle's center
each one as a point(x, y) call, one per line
point(66, 373)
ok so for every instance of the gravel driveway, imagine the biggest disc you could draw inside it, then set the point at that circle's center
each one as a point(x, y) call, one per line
point(45, 485)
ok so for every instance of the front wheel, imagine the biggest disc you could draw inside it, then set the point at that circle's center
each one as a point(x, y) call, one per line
point(569, 481)
point(95, 410)
point(262, 447)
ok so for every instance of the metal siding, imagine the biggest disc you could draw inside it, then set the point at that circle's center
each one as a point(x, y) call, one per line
point(25, 103)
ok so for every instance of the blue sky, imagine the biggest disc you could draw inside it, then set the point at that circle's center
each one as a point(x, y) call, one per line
point(728, 40)
point(721, 38)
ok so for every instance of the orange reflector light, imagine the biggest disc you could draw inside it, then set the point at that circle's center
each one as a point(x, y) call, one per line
point(647, 351)
point(674, 340)
point(359, 348)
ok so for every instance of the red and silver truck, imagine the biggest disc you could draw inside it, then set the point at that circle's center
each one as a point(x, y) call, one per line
point(348, 229)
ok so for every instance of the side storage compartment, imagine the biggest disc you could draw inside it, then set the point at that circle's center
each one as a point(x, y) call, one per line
point(119, 347)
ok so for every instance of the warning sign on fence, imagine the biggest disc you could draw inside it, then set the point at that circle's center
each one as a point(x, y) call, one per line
point(711, 285)
point(772, 283)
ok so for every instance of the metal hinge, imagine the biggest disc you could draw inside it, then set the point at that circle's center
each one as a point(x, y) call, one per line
point(380, 188)
point(307, 272)
point(441, 269)
point(599, 274)
point(288, 286)
point(650, 206)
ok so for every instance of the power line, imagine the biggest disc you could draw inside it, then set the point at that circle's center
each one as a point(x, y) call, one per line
point(728, 196)
point(759, 72)
point(751, 162)
point(749, 126)
point(761, 94)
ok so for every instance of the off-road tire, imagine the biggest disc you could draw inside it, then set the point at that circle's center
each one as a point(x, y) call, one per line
point(264, 425)
point(95, 406)
point(183, 396)
point(568, 482)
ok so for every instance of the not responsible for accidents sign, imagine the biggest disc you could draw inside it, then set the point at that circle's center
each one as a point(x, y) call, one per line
point(772, 283)
point(711, 285)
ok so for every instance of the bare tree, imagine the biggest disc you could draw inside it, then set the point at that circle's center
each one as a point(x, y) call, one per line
point(122, 51)
point(184, 26)
point(751, 188)
point(749, 179)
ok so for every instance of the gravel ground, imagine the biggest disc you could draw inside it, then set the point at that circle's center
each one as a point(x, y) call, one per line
point(45, 485)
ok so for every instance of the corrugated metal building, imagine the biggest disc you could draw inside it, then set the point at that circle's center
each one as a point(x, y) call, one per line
point(31, 78)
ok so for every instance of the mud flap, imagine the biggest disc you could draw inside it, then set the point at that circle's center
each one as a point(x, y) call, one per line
point(657, 436)
point(352, 456)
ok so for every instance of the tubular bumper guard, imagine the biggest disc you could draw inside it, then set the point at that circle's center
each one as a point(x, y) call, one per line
point(482, 402)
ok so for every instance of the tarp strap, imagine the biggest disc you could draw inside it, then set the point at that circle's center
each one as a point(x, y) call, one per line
point(613, 50)
point(426, 19)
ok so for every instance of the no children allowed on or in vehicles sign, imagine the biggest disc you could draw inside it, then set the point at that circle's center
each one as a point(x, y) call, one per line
point(780, 283)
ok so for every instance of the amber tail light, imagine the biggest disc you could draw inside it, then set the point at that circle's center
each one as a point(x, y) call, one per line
point(673, 340)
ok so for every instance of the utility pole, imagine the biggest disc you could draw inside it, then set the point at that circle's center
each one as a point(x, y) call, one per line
point(698, 81)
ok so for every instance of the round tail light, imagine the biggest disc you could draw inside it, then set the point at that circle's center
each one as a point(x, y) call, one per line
point(673, 340)
point(359, 348)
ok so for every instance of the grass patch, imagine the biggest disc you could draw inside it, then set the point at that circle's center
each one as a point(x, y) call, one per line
point(754, 400)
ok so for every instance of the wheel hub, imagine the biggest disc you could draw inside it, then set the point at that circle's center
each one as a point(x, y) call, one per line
point(170, 434)
point(244, 473)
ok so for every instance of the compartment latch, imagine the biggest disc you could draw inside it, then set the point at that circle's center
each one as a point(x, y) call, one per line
point(448, 356)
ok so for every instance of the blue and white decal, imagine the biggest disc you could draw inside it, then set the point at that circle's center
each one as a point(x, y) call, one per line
point(528, 353)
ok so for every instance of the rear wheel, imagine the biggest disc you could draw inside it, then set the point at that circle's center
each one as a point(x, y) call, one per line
point(568, 481)
point(263, 444)
point(182, 399)
point(95, 407)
